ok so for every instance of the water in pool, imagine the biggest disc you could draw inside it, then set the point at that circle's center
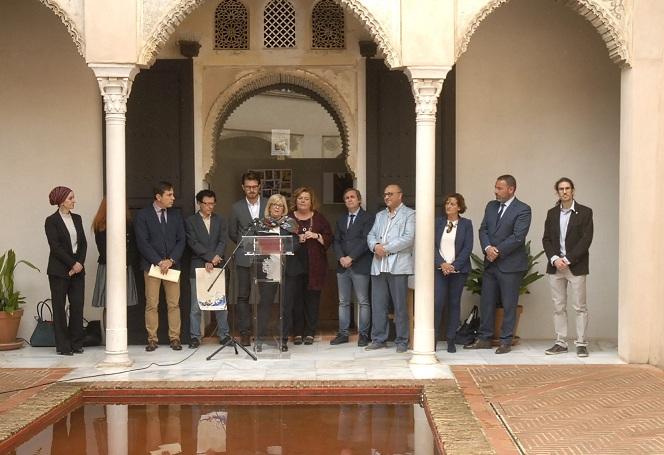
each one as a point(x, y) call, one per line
point(347, 429)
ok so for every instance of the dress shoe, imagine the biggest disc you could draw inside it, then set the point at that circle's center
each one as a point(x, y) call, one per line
point(65, 353)
point(401, 348)
point(363, 341)
point(339, 339)
point(478, 344)
point(152, 345)
point(451, 347)
point(309, 340)
point(194, 343)
point(375, 345)
point(284, 345)
point(225, 341)
point(77, 350)
point(503, 349)
point(297, 341)
point(245, 340)
point(581, 351)
point(175, 345)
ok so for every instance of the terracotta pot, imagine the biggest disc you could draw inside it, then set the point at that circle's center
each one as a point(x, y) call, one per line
point(498, 321)
point(9, 323)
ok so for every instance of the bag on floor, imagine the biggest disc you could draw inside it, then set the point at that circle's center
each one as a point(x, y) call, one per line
point(468, 330)
point(44, 333)
point(92, 333)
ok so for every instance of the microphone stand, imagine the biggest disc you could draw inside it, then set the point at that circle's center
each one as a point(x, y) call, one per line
point(233, 342)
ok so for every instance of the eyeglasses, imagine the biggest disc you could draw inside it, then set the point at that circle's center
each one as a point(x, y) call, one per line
point(208, 203)
point(250, 187)
point(391, 194)
point(277, 205)
point(450, 226)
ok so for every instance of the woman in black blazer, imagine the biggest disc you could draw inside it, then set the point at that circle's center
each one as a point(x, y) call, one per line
point(66, 275)
point(453, 245)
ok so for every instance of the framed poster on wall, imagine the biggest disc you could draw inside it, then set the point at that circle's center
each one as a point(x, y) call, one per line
point(276, 181)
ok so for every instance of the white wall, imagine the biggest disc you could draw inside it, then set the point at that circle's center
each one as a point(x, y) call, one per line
point(50, 135)
point(538, 98)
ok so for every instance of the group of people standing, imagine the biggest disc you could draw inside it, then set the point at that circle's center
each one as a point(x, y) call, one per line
point(374, 256)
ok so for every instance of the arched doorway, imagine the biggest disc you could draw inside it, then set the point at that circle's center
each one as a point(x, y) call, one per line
point(313, 155)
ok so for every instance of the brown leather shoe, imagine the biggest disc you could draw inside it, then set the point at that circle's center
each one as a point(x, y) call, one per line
point(245, 340)
point(152, 345)
point(479, 344)
point(503, 349)
point(175, 345)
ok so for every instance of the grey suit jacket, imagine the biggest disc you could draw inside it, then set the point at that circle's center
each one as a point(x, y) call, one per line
point(205, 246)
point(507, 234)
point(238, 224)
point(398, 239)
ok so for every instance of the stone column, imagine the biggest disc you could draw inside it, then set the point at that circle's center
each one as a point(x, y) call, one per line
point(427, 83)
point(367, 51)
point(115, 84)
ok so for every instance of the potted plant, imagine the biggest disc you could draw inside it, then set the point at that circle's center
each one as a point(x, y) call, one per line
point(10, 301)
point(474, 285)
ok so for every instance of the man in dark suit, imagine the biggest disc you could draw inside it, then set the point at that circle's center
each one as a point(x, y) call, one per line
point(568, 233)
point(353, 266)
point(503, 237)
point(243, 214)
point(206, 237)
point(160, 239)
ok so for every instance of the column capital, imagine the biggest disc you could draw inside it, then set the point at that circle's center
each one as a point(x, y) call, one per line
point(426, 83)
point(114, 84)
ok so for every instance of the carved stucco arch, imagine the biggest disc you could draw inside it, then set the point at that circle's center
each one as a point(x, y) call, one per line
point(69, 23)
point(256, 82)
point(165, 27)
point(606, 16)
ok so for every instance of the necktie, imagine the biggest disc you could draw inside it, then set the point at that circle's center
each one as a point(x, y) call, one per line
point(162, 219)
point(500, 212)
point(351, 218)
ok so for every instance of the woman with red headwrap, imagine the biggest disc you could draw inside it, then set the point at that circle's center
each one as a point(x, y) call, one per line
point(66, 275)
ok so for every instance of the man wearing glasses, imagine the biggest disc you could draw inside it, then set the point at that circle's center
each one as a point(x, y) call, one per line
point(568, 233)
point(391, 239)
point(243, 214)
point(206, 236)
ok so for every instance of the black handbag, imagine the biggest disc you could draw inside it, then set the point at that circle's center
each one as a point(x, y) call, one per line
point(44, 333)
point(468, 330)
point(92, 330)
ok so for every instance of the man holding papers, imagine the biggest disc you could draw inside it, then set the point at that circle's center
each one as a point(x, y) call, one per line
point(160, 238)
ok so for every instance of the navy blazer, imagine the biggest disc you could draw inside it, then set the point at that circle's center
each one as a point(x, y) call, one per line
point(463, 244)
point(353, 242)
point(507, 234)
point(61, 257)
point(205, 246)
point(155, 245)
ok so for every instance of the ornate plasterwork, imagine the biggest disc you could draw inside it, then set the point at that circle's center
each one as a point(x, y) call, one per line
point(115, 86)
point(426, 93)
point(156, 33)
point(73, 30)
point(608, 17)
point(253, 82)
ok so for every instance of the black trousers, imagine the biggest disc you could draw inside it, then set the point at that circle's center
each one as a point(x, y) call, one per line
point(305, 303)
point(243, 292)
point(68, 334)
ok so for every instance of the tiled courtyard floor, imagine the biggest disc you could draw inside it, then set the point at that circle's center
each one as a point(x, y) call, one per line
point(567, 409)
point(523, 402)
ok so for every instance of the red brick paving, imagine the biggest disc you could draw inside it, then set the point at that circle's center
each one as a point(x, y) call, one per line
point(19, 378)
point(570, 409)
